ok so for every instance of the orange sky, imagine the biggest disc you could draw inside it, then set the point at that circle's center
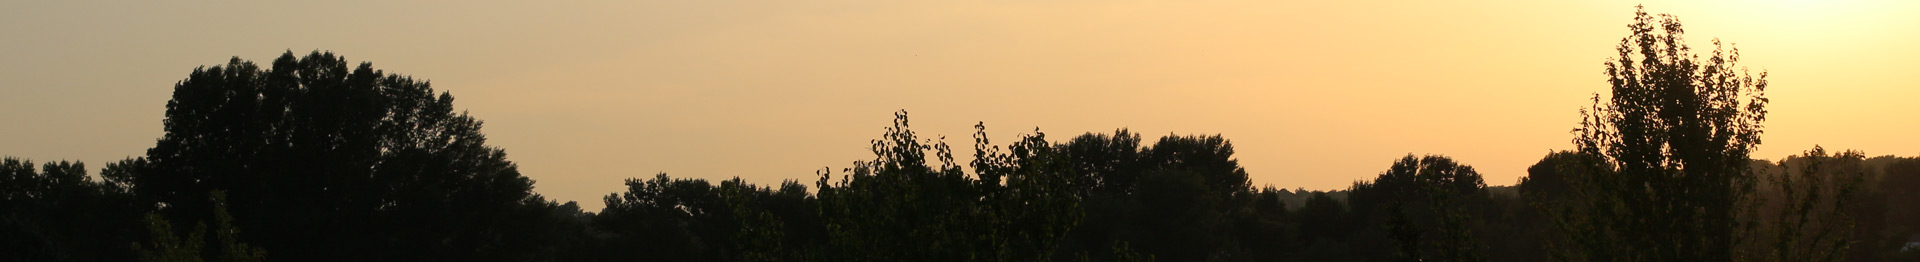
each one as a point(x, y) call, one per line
point(1313, 94)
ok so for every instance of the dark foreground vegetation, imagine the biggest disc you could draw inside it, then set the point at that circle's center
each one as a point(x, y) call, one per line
point(310, 159)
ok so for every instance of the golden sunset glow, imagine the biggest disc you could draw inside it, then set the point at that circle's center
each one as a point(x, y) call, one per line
point(1313, 94)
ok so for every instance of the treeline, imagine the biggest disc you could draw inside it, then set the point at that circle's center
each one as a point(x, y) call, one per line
point(311, 159)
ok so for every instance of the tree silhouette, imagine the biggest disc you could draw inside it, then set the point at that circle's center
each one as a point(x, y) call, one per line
point(1326, 227)
point(328, 163)
point(1545, 191)
point(1425, 202)
point(1107, 163)
point(1016, 206)
point(1549, 180)
point(315, 159)
point(693, 220)
point(1805, 206)
point(1675, 137)
point(1179, 199)
point(58, 213)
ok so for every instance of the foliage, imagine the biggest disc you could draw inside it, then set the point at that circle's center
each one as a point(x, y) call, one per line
point(328, 163)
point(1807, 207)
point(1888, 221)
point(1424, 203)
point(58, 213)
point(1672, 146)
point(897, 206)
point(165, 246)
point(693, 220)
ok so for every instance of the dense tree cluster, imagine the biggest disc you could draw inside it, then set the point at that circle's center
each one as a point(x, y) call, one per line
point(311, 159)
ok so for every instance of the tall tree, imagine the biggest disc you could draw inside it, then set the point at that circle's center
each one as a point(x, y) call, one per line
point(1674, 136)
point(330, 162)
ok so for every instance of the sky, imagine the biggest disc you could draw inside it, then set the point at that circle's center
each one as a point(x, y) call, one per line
point(1312, 94)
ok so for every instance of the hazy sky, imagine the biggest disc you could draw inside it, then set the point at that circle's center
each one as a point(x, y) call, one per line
point(1313, 94)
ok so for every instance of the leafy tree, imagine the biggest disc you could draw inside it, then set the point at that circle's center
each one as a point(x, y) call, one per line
point(1675, 137)
point(1807, 204)
point(693, 220)
point(777, 225)
point(1039, 201)
point(1107, 163)
point(58, 213)
point(1424, 203)
point(1178, 199)
point(1261, 231)
point(1176, 217)
point(1546, 190)
point(1549, 180)
point(1325, 227)
point(898, 206)
point(664, 218)
point(328, 162)
point(1210, 157)
point(168, 247)
point(165, 246)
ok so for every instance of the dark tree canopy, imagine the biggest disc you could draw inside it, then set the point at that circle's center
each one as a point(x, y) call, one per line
point(324, 161)
point(58, 213)
point(1549, 178)
point(1804, 206)
point(899, 206)
point(1423, 204)
point(311, 158)
point(1674, 137)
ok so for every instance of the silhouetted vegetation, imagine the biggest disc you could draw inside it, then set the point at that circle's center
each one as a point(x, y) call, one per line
point(311, 159)
point(1666, 174)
